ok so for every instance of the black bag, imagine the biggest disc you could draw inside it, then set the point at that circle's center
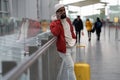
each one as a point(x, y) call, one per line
point(93, 30)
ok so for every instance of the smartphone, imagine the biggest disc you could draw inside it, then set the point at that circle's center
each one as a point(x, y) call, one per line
point(58, 15)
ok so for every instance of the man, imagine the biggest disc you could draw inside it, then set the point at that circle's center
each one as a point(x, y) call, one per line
point(78, 27)
point(62, 28)
point(98, 26)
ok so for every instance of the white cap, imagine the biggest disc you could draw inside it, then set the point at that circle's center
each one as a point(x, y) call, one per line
point(58, 6)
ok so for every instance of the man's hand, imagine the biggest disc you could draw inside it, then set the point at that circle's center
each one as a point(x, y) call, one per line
point(58, 15)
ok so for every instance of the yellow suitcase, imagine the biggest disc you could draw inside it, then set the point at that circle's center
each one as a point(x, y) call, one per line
point(82, 69)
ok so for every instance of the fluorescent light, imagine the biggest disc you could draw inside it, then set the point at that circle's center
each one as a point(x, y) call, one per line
point(69, 1)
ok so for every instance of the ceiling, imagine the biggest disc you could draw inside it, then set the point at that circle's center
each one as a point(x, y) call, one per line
point(85, 3)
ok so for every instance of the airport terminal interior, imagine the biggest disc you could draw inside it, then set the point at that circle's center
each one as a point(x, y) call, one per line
point(28, 48)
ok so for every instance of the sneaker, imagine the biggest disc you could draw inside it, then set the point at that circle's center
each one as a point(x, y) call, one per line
point(98, 39)
point(89, 39)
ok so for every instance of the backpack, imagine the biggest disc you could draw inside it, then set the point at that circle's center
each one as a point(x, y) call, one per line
point(98, 24)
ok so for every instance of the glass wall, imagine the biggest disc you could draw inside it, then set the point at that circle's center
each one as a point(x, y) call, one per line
point(4, 8)
point(19, 29)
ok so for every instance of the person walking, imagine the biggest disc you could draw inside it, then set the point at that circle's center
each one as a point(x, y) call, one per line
point(78, 27)
point(62, 28)
point(89, 28)
point(98, 26)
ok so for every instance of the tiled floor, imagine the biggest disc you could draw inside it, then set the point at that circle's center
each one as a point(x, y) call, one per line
point(103, 56)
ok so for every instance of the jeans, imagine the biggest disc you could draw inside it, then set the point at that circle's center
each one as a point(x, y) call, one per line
point(68, 64)
point(78, 33)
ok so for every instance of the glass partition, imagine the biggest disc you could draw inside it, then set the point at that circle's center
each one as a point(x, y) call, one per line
point(43, 64)
point(15, 38)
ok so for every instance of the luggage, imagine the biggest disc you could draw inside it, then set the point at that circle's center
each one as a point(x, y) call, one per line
point(82, 69)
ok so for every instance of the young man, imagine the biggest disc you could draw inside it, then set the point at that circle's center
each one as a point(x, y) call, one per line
point(78, 27)
point(62, 28)
point(98, 26)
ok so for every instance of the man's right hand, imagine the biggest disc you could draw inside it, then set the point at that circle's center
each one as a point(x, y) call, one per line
point(58, 15)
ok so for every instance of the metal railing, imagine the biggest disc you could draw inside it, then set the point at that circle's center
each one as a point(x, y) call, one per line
point(47, 61)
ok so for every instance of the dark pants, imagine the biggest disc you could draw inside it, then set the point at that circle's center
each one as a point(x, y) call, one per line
point(78, 33)
point(98, 35)
point(89, 34)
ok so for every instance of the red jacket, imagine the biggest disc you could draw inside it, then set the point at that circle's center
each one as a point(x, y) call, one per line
point(57, 30)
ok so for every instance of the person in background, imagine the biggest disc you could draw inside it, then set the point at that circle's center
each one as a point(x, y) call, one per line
point(62, 28)
point(88, 25)
point(78, 27)
point(98, 26)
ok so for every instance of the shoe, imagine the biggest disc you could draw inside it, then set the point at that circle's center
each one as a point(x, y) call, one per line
point(98, 39)
point(89, 39)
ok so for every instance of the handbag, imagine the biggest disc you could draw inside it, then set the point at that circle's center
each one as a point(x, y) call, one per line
point(93, 30)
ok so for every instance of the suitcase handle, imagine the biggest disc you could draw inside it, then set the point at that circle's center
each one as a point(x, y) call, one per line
point(82, 46)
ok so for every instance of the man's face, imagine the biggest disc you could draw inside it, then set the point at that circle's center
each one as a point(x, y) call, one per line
point(61, 13)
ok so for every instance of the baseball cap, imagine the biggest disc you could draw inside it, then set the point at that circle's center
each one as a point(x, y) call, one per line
point(58, 6)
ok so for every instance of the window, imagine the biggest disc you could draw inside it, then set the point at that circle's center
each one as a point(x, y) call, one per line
point(5, 5)
point(0, 5)
point(0, 15)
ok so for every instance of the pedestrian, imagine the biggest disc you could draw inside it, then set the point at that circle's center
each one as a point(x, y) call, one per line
point(62, 28)
point(98, 26)
point(89, 28)
point(78, 23)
